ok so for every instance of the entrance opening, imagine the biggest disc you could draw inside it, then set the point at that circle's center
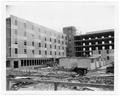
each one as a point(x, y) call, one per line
point(15, 64)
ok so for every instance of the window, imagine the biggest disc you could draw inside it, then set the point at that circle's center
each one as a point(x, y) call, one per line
point(55, 53)
point(39, 52)
point(63, 48)
point(108, 57)
point(59, 47)
point(103, 47)
point(25, 25)
point(15, 22)
point(63, 53)
point(55, 46)
point(59, 53)
point(109, 36)
point(45, 45)
point(110, 47)
point(90, 48)
point(99, 52)
point(62, 36)
point(45, 38)
point(15, 31)
point(25, 43)
point(83, 44)
point(90, 43)
point(50, 52)
point(25, 62)
point(102, 36)
point(25, 33)
point(39, 44)
point(50, 40)
point(83, 49)
point(7, 63)
point(25, 51)
point(22, 62)
point(55, 40)
point(16, 41)
point(32, 27)
point(103, 42)
point(107, 51)
point(110, 42)
point(45, 52)
point(32, 43)
point(33, 51)
point(96, 42)
point(50, 46)
point(62, 42)
point(58, 41)
point(16, 50)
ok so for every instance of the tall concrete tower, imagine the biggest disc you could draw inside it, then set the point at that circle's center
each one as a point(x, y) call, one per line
point(70, 32)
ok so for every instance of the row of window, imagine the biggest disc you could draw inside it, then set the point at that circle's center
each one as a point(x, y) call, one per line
point(46, 53)
point(110, 42)
point(96, 48)
point(102, 37)
point(33, 62)
point(39, 30)
point(39, 45)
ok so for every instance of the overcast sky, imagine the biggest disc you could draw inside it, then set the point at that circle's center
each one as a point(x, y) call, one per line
point(86, 17)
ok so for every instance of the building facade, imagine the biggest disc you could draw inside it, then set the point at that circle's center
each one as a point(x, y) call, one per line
point(70, 33)
point(96, 44)
point(29, 44)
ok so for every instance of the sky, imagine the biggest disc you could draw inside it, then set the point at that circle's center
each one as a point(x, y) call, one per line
point(86, 17)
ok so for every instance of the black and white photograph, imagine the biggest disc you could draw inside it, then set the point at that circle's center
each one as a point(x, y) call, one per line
point(60, 46)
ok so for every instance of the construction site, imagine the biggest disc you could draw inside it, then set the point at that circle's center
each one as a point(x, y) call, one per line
point(55, 77)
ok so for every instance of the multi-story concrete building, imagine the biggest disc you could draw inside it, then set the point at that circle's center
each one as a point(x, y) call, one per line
point(96, 44)
point(29, 44)
point(70, 33)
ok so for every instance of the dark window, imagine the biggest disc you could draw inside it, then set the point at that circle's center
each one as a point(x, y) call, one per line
point(39, 44)
point(62, 42)
point(99, 52)
point(45, 45)
point(15, 22)
point(63, 53)
point(45, 38)
point(16, 64)
point(25, 51)
point(25, 43)
point(7, 63)
point(108, 57)
point(33, 51)
point(45, 52)
point(22, 62)
point(50, 46)
point(59, 53)
point(50, 52)
point(55, 40)
point(25, 62)
point(25, 25)
point(50, 40)
point(16, 50)
point(39, 52)
point(55, 53)
point(32, 43)
point(63, 48)
point(55, 46)
point(58, 41)
point(59, 47)
point(107, 51)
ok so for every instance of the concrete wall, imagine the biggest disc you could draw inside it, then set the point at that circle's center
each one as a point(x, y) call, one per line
point(72, 62)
